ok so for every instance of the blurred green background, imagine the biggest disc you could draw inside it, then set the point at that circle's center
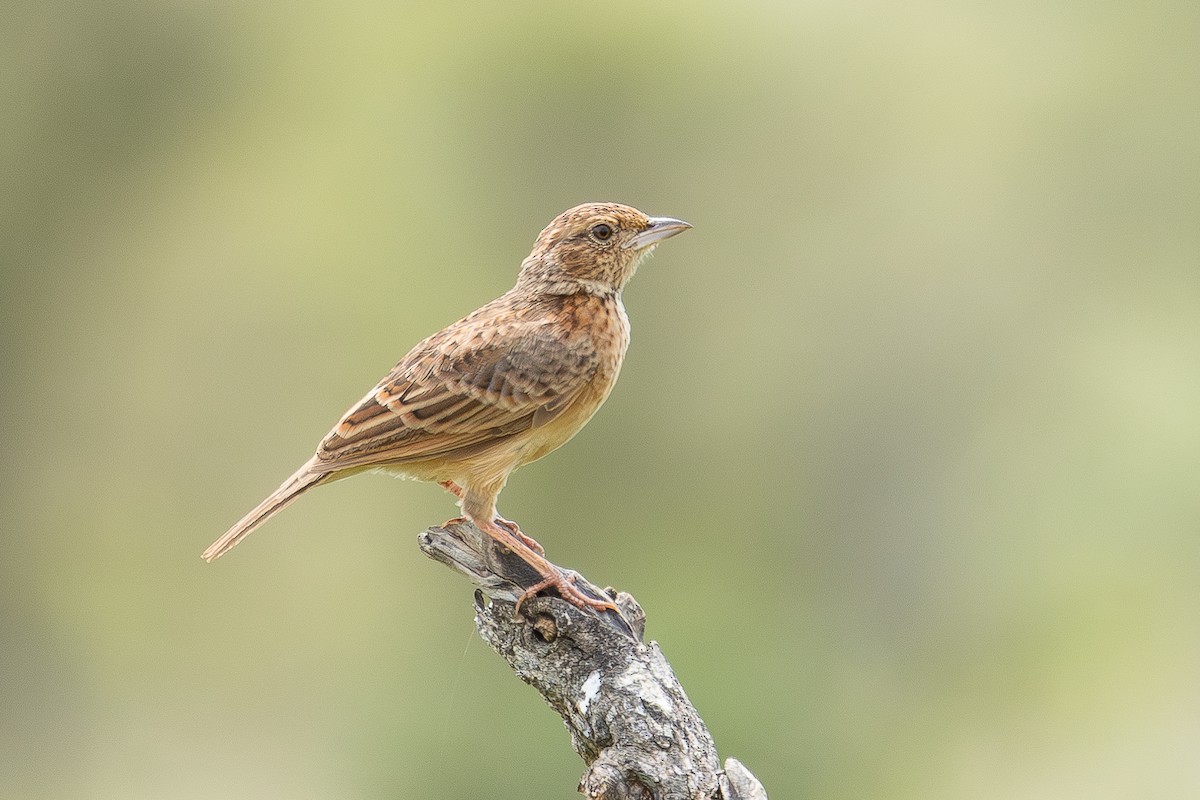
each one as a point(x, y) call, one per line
point(903, 463)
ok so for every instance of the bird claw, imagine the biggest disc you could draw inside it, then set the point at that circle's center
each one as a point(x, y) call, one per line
point(567, 590)
point(507, 534)
point(515, 530)
point(509, 526)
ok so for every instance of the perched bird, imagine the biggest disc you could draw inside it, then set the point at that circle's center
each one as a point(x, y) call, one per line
point(501, 387)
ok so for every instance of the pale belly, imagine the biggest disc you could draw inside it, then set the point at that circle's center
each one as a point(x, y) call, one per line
point(549, 437)
point(508, 454)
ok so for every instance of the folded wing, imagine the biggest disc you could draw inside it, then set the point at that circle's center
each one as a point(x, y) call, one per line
point(449, 397)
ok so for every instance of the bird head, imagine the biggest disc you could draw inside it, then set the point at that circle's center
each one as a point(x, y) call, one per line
point(594, 247)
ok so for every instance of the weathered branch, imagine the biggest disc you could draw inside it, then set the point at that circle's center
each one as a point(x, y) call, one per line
point(629, 718)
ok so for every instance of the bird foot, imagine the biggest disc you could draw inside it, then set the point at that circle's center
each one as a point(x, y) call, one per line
point(567, 590)
point(515, 530)
point(509, 526)
point(508, 535)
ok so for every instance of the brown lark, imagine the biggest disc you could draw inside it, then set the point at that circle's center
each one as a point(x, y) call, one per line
point(501, 387)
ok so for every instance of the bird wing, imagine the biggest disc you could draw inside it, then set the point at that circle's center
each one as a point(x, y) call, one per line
point(460, 390)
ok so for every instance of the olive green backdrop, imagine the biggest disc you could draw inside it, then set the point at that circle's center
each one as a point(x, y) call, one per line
point(903, 463)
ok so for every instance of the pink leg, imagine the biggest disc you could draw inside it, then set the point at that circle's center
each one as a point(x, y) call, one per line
point(515, 530)
point(479, 506)
point(551, 577)
point(456, 490)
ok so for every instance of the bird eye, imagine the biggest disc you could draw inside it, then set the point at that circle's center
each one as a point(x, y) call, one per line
point(602, 232)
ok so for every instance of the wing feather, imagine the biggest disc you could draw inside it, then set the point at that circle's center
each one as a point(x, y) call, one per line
point(460, 390)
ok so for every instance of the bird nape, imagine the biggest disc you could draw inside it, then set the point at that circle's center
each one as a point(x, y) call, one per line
point(501, 387)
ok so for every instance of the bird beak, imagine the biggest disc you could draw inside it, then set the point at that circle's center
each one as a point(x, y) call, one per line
point(658, 229)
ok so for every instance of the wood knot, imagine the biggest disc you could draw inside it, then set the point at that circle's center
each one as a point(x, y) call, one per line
point(545, 627)
point(606, 782)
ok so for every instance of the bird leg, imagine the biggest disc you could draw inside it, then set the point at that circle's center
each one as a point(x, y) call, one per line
point(512, 528)
point(551, 577)
point(515, 529)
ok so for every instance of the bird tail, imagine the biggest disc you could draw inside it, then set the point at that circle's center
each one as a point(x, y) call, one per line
point(304, 479)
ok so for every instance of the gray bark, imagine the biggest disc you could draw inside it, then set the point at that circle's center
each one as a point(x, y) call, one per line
point(629, 719)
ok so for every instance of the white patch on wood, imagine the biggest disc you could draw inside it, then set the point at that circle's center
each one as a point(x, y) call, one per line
point(590, 688)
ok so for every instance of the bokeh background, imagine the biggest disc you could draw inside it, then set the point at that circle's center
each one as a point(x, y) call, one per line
point(903, 463)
